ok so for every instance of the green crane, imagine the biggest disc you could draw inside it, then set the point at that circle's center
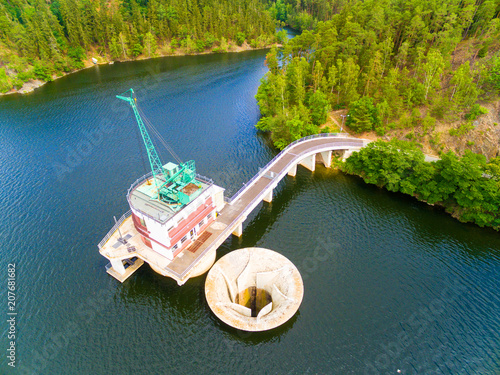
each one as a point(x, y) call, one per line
point(171, 180)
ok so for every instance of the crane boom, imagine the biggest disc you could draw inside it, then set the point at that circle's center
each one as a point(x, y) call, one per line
point(154, 159)
point(171, 180)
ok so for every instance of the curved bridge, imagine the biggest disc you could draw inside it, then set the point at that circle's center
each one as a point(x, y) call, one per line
point(306, 151)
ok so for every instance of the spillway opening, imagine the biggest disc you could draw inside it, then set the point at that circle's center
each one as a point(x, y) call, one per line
point(253, 298)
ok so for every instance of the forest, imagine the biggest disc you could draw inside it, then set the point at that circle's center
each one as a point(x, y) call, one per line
point(45, 39)
point(391, 64)
point(466, 186)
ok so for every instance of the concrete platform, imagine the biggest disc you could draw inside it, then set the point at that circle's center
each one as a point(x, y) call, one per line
point(129, 271)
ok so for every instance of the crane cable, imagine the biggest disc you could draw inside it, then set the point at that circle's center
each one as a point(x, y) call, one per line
point(158, 135)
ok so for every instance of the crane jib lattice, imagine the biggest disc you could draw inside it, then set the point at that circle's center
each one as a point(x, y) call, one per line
point(170, 179)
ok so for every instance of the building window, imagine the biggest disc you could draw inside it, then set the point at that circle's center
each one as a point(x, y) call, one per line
point(175, 247)
point(169, 229)
point(183, 239)
point(209, 216)
point(139, 222)
point(202, 222)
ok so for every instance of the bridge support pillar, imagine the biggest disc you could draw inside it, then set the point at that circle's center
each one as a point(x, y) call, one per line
point(238, 230)
point(325, 158)
point(293, 171)
point(268, 197)
point(117, 266)
point(309, 162)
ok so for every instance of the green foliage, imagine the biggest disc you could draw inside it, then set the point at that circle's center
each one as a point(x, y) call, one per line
point(467, 187)
point(136, 49)
point(240, 38)
point(5, 85)
point(77, 54)
point(461, 130)
point(58, 35)
point(209, 40)
point(282, 36)
point(174, 43)
point(363, 115)
point(475, 112)
point(318, 104)
point(402, 59)
point(279, 10)
point(43, 71)
point(494, 74)
point(464, 92)
point(199, 45)
point(149, 44)
point(114, 49)
point(188, 44)
point(223, 45)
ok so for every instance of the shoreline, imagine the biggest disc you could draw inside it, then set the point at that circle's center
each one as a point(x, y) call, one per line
point(34, 84)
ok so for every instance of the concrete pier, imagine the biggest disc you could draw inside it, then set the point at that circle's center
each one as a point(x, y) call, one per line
point(268, 197)
point(325, 158)
point(293, 170)
point(238, 231)
point(309, 162)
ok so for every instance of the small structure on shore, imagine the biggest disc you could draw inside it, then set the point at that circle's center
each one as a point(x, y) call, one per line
point(254, 289)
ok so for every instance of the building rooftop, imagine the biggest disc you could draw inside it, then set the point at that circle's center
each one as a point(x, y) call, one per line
point(142, 196)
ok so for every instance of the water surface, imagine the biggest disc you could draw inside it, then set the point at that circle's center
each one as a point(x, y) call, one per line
point(390, 283)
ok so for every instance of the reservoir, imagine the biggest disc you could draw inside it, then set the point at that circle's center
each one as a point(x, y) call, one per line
point(389, 283)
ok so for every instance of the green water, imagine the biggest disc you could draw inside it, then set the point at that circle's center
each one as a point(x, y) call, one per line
point(390, 283)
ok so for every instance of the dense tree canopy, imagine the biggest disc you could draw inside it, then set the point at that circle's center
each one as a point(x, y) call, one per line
point(41, 38)
point(391, 63)
point(468, 187)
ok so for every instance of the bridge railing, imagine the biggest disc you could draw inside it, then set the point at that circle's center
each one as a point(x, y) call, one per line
point(114, 229)
point(139, 181)
point(284, 171)
point(283, 152)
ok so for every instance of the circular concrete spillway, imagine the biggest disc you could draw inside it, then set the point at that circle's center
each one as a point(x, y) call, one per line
point(254, 289)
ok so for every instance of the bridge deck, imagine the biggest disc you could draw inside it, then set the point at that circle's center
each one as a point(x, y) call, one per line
point(245, 200)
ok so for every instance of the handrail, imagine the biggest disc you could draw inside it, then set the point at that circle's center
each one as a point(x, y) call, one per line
point(281, 174)
point(223, 235)
point(262, 171)
point(114, 229)
point(140, 180)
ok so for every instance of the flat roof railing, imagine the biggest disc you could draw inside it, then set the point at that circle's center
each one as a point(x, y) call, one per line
point(114, 229)
point(207, 181)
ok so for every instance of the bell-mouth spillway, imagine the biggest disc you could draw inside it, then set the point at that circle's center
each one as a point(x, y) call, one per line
point(254, 289)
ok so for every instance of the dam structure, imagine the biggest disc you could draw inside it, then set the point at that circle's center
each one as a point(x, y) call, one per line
point(178, 219)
